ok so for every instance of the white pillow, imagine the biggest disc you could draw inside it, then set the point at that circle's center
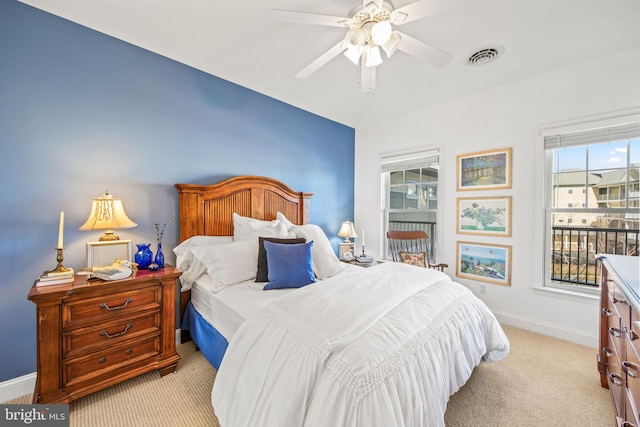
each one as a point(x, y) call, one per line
point(229, 263)
point(325, 261)
point(184, 247)
point(245, 228)
point(280, 216)
point(192, 268)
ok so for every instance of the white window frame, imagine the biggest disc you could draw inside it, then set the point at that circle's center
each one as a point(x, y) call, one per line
point(542, 247)
point(403, 160)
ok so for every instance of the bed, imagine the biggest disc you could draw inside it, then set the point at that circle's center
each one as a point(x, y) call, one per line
point(331, 344)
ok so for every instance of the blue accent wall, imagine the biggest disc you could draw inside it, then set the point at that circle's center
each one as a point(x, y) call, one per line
point(82, 112)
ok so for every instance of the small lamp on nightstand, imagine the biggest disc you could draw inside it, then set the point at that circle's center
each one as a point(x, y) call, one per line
point(347, 248)
point(107, 213)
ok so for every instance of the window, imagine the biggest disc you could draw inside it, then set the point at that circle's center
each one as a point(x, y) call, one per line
point(602, 165)
point(410, 195)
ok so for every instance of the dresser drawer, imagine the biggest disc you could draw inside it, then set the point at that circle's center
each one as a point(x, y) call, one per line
point(102, 308)
point(84, 340)
point(105, 362)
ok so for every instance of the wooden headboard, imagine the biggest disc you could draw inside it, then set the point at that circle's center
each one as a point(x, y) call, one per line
point(207, 210)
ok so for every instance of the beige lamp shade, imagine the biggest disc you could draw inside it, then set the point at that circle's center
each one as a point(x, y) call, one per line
point(107, 213)
point(347, 231)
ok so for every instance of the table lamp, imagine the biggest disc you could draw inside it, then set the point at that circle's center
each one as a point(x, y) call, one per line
point(107, 213)
point(347, 231)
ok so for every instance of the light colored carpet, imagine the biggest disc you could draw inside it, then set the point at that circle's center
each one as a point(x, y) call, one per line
point(543, 382)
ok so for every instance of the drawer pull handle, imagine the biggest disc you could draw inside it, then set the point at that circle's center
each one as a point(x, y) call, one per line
point(129, 351)
point(615, 379)
point(628, 424)
point(104, 333)
point(607, 312)
point(630, 369)
point(104, 305)
point(615, 332)
point(102, 360)
point(619, 300)
point(607, 351)
point(632, 336)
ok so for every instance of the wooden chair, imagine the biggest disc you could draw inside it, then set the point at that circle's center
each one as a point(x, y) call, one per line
point(411, 243)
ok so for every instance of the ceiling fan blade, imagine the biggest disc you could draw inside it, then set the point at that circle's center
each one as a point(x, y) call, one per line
point(414, 11)
point(367, 77)
point(321, 60)
point(414, 47)
point(308, 18)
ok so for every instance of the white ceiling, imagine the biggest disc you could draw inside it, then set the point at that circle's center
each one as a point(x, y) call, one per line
point(236, 41)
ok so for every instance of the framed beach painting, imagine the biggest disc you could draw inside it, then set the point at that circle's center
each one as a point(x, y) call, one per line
point(488, 216)
point(484, 170)
point(484, 262)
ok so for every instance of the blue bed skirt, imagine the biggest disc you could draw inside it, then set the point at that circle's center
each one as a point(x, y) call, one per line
point(211, 343)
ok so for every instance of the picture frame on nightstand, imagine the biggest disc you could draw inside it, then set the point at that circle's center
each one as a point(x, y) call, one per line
point(346, 251)
point(105, 253)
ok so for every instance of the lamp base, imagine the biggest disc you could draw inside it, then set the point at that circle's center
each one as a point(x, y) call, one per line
point(108, 236)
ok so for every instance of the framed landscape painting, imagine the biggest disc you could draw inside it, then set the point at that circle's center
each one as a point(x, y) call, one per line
point(488, 216)
point(484, 262)
point(484, 170)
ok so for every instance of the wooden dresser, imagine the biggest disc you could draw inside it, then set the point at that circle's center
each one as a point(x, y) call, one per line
point(91, 335)
point(618, 359)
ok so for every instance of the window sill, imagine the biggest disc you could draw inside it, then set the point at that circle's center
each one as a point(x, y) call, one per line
point(567, 294)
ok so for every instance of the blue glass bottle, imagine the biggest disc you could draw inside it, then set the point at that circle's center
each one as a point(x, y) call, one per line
point(159, 257)
point(144, 256)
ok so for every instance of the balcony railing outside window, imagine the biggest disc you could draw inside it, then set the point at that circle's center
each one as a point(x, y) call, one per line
point(574, 249)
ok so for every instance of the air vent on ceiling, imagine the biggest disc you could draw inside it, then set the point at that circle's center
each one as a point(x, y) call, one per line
point(485, 55)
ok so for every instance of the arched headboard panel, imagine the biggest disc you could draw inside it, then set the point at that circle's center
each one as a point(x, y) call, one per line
point(207, 210)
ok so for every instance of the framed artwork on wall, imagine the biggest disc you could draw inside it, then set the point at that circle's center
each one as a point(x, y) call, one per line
point(105, 253)
point(484, 262)
point(484, 170)
point(488, 216)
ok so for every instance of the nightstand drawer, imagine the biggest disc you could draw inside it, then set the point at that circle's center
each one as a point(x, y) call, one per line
point(100, 309)
point(97, 364)
point(85, 340)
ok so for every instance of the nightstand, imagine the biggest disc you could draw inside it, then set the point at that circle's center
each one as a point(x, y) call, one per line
point(93, 334)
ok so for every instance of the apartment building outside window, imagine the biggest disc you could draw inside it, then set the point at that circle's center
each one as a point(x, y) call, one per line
point(592, 201)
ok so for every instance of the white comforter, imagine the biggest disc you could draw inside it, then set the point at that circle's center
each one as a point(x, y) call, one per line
point(383, 346)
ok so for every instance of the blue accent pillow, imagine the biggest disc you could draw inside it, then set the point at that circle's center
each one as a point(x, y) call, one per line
point(290, 265)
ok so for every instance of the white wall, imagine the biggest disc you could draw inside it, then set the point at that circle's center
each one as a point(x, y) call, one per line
point(507, 116)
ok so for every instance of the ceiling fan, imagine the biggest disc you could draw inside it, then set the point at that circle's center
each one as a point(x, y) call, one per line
point(370, 27)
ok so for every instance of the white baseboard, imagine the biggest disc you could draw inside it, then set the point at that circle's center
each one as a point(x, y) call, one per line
point(17, 387)
point(549, 329)
point(20, 386)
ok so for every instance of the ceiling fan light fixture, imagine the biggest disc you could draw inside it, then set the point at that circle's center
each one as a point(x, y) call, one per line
point(354, 52)
point(391, 46)
point(373, 56)
point(381, 32)
point(356, 37)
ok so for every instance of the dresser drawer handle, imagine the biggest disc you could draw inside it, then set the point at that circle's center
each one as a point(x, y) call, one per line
point(102, 360)
point(632, 336)
point(607, 312)
point(619, 300)
point(104, 333)
point(615, 332)
point(630, 369)
point(607, 351)
point(129, 351)
point(615, 379)
point(104, 305)
point(628, 424)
